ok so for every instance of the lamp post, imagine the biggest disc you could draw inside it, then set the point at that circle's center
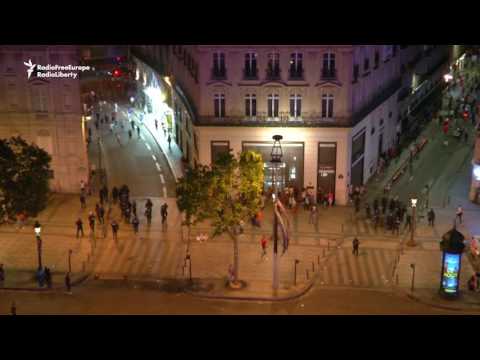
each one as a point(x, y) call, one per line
point(413, 202)
point(412, 266)
point(38, 230)
point(276, 158)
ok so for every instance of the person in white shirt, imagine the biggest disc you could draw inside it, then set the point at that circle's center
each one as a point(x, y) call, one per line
point(459, 213)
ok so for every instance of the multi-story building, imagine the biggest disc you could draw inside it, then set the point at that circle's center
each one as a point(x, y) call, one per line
point(45, 111)
point(338, 107)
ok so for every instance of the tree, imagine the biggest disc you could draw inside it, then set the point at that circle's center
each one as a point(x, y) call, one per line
point(26, 172)
point(228, 194)
point(192, 195)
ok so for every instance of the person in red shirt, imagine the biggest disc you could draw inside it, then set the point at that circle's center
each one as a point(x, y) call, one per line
point(263, 243)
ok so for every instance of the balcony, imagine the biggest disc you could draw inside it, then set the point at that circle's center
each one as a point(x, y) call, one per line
point(296, 74)
point(329, 74)
point(219, 74)
point(273, 74)
point(283, 120)
point(250, 74)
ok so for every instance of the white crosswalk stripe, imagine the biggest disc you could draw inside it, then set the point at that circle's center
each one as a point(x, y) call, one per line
point(372, 268)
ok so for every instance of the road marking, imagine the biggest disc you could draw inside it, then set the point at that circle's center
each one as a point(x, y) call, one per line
point(154, 158)
point(162, 179)
point(148, 147)
point(164, 192)
point(158, 167)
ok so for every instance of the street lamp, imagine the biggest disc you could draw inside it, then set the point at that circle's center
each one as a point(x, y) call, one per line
point(413, 202)
point(38, 229)
point(276, 158)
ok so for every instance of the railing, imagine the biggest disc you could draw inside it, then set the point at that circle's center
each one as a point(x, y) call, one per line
point(219, 73)
point(284, 119)
point(250, 74)
point(329, 74)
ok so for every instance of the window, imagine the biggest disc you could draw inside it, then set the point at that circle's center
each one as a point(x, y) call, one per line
point(296, 65)
point(219, 105)
point(356, 70)
point(39, 98)
point(366, 64)
point(272, 103)
point(376, 60)
point(250, 65)
point(219, 70)
point(295, 105)
point(273, 69)
point(328, 70)
point(327, 106)
point(250, 105)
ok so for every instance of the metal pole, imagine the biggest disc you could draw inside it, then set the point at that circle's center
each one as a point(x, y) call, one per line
point(413, 276)
point(414, 217)
point(70, 261)
point(275, 236)
point(39, 250)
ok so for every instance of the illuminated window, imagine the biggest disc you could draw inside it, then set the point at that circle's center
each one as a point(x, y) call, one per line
point(327, 106)
point(250, 105)
point(219, 105)
point(272, 103)
point(295, 105)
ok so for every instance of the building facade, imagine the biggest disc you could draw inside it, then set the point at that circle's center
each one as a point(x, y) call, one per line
point(45, 111)
point(338, 107)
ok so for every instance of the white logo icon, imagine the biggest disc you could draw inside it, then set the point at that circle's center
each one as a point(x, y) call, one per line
point(31, 67)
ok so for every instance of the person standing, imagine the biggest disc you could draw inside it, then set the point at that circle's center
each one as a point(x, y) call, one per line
point(164, 212)
point(330, 199)
point(431, 218)
point(459, 213)
point(263, 244)
point(79, 224)
point(156, 124)
point(135, 224)
point(313, 215)
point(169, 140)
point(114, 229)
point(129, 134)
point(138, 131)
point(148, 215)
point(132, 124)
point(91, 222)
point(355, 245)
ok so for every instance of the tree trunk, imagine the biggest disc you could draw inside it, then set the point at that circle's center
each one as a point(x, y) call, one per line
point(235, 255)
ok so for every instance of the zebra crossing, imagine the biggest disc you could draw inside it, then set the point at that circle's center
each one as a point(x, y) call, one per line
point(372, 268)
point(140, 257)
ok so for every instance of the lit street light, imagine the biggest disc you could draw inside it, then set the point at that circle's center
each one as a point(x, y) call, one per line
point(276, 158)
point(413, 202)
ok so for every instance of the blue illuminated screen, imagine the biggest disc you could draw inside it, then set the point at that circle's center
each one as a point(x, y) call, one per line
point(451, 267)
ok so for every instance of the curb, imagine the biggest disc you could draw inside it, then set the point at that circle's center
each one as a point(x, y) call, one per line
point(252, 298)
point(54, 289)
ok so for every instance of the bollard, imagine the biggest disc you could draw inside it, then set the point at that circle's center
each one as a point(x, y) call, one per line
point(313, 267)
point(307, 273)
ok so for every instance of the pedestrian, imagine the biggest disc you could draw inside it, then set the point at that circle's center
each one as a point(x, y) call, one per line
point(149, 204)
point(156, 124)
point(330, 199)
point(148, 215)
point(164, 129)
point(105, 192)
point(48, 277)
point(313, 215)
point(115, 228)
point(91, 222)
point(164, 212)
point(134, 208)
point(2, 275)
point(355, 245)
point(138, 131)
point(169, 140)
point(263, 243)
point(129, 134)
point(101, 214)
point(115, 194)
point(128, 214)
point(79, 224)
point(97, 211)
point(132, 124)
point(431, 217)
point(135, 224)
point(68, 284)
point(459, 213)
point(83, 203)
point(82, 187)
point(408, 222)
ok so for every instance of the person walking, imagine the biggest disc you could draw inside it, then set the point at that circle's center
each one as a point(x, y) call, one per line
point(148, 215)
point(83, 203)
point(91, 222)
point(132, 124)
point(459, 213)
point(138, 131)
point(129, 134)
point(313, 215)
point(355, 245)
point(169, 140)
point(431, 218)
point(79, 224)
point(156, 124)
point(114, 229)
point(68, 284)
point(135, 224)
point(263, 243)
point(164, 212)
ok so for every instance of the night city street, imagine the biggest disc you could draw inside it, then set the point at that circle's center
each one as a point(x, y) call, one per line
point(239, 180)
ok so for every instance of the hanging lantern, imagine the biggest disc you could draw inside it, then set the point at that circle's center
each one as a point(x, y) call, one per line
point(276, 153)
